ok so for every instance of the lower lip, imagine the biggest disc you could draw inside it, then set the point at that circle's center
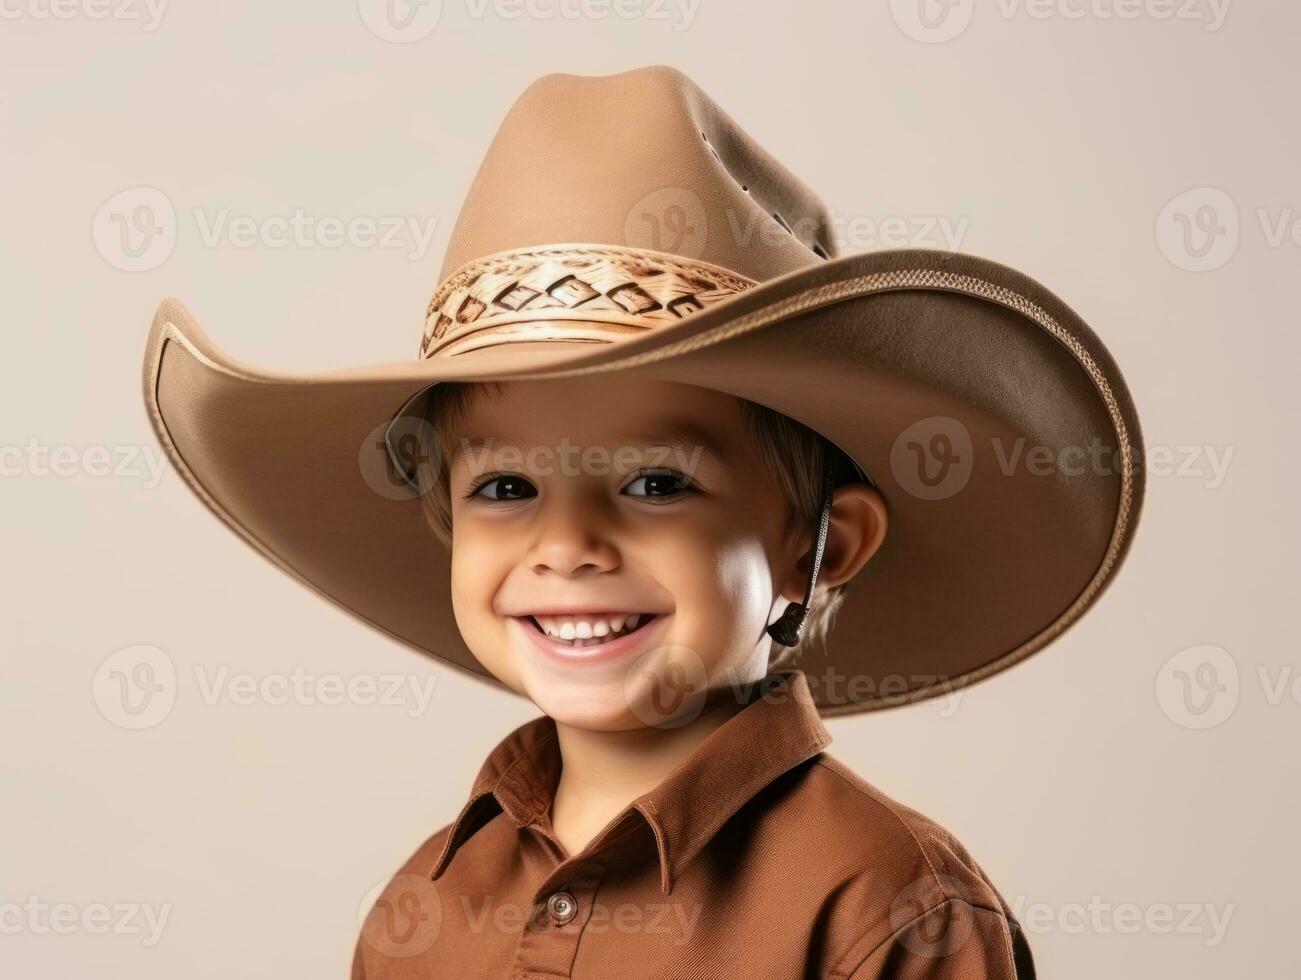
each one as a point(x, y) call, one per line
point(604, 653)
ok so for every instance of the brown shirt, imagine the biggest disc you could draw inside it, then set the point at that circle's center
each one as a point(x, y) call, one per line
point(758, 856)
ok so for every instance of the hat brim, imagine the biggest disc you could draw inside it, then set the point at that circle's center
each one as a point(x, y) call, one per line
point(995, 545)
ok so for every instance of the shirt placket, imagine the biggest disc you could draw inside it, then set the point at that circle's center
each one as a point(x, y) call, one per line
point(562, 905)
point(560, 911)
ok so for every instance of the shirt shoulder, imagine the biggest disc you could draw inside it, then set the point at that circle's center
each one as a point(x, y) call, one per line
point(410, 882)
point(891, 837)
point(900, 884)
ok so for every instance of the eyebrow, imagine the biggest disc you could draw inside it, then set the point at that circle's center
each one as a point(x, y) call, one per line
point(681, 433)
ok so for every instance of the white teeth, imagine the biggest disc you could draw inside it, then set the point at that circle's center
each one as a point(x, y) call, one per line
point(585, 632)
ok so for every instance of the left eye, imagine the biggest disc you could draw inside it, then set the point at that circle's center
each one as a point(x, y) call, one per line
point(661, 484)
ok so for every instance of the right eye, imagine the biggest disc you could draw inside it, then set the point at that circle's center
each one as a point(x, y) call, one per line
point(507, 487)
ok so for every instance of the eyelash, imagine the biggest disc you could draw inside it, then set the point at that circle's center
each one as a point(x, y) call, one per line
point(651, 471)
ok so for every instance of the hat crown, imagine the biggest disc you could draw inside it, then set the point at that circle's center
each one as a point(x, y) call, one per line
point(641, 159)
point(610, 205)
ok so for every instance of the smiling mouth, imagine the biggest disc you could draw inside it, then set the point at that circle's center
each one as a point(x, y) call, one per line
point(634, 624)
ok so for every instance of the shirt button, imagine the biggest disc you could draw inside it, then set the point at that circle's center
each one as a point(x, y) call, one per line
point(562, 907)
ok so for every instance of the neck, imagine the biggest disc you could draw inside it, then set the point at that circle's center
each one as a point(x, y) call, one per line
point(602, 772)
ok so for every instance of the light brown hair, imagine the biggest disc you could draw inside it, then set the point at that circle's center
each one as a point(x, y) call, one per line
point(792, 453)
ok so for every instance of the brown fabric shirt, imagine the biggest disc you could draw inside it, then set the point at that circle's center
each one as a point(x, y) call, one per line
point(758, 856)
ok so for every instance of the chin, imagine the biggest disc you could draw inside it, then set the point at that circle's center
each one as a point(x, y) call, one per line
point(593, 708)
point(663, 694)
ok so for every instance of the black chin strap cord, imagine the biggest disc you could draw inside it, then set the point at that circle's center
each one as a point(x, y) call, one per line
point(786, 630)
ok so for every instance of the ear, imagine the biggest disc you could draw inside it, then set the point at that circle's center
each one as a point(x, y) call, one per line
point(854, 533)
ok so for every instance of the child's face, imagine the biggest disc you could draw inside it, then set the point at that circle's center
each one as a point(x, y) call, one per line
point(576, 525)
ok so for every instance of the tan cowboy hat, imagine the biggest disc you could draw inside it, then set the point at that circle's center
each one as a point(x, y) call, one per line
point(626, 225)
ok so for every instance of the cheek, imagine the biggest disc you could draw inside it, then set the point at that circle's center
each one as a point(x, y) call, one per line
point(476, 578)
point(481, 559)
point(724, 596)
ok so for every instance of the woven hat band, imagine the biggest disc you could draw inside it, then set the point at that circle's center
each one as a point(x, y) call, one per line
point(595, 293)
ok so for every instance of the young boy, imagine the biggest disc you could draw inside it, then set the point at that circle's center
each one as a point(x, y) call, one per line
point(638, 483)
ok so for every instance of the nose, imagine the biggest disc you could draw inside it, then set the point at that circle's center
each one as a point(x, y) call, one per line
point(571, 536)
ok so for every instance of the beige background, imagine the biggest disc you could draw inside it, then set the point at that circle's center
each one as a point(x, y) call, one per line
point(1124, 816)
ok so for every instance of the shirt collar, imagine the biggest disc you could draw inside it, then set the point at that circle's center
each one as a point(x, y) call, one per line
point(769, 736)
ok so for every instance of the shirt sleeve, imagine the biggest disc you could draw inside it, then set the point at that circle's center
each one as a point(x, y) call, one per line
point(950, 941)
